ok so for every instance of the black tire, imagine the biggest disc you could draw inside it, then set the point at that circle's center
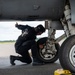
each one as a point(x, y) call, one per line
point(50, 60)
point(67, 54)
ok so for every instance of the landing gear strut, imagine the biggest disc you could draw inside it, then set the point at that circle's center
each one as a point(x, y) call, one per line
point(49, 49)
point(67, 50)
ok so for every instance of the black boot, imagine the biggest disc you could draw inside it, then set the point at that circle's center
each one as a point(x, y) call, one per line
point(37, 62)
point(12, 59)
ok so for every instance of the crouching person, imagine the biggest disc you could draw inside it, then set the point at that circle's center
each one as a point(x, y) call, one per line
point(25, 42)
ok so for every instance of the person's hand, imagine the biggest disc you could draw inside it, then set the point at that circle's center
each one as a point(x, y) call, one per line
point(16, 24)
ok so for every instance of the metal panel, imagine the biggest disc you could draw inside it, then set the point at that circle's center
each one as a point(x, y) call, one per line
point(54, 25)
point(72, 3)
point(32, 9)
point(0, 8)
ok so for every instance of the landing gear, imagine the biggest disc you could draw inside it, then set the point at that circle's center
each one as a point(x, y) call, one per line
point(67, 50)
point(47, 55)
point(49, 51)
point(67, 54)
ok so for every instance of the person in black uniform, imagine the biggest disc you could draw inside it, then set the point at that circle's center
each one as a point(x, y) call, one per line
point(25, 42)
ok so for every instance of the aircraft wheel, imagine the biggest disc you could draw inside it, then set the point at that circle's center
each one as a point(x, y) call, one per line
point(46, 55)
point(67, 54)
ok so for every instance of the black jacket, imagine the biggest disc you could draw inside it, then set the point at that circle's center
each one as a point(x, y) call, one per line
point(28, 33)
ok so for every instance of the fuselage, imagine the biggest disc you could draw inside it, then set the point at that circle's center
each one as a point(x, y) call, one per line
point(31, 9)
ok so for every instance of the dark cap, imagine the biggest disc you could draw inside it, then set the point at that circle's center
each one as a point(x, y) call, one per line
point(40, 28)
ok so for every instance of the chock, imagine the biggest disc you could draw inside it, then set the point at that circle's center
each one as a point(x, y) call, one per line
point(62, 72)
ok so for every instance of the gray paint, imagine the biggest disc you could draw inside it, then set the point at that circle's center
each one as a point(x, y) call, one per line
point(72, 3)
point(31, 9)
point(56, 25)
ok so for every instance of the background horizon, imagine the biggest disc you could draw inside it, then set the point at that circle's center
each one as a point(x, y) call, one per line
point(8, 31)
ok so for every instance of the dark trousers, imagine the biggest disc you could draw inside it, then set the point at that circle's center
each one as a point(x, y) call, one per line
point(23, 51)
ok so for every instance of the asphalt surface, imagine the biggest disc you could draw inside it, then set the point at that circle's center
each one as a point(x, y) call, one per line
point(7, 49)
point(24, 69)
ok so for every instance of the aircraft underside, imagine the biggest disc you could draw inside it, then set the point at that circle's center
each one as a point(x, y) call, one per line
point(31, 10)
point(58, 15)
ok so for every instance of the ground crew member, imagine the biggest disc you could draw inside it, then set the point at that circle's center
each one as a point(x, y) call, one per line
point(25, 42)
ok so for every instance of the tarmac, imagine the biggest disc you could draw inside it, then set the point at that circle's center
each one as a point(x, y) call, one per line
point(21, 68)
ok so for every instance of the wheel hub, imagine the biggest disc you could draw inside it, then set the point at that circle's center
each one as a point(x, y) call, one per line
point(46, 54)
point(72, 55)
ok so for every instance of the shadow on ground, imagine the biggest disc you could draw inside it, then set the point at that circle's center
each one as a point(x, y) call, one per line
point(47, 69)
